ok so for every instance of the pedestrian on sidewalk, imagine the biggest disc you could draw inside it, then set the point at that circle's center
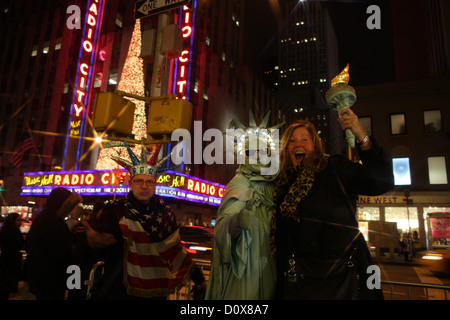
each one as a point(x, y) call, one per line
point(11, 244)
point(49, 245)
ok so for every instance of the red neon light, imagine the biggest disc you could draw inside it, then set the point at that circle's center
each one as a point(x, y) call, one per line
point(80, 95)
point(87, 46)
point(78, 109)
point(85, 68)
point(181, 85)
point(74, 179)
point(204, 188)
point(183, 55)
point(187, 29)
point(102, 54)
point(93, 8)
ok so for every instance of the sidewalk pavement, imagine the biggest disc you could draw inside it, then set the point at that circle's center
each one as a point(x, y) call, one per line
point(395, 259)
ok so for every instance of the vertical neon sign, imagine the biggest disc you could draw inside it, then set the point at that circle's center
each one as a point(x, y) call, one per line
point(186, 21)
point(83, 83)
point(182, 74)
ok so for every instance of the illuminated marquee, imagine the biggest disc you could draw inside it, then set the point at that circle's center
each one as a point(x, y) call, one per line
point(83, 79)
point(182, 75)
point(109, 182)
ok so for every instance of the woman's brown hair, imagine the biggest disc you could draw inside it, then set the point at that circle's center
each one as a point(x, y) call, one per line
point(316, 161)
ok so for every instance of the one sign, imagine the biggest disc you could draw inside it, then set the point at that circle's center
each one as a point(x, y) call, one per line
point(108, 182)
point(145, 8)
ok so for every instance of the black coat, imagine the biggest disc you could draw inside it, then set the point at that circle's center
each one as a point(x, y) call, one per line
point(328, 222)
point(11, 242)
point(49, 247)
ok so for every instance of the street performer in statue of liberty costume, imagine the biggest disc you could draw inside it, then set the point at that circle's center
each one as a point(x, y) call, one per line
point(242, 267)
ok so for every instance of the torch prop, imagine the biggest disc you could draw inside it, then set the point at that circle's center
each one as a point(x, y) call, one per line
point(342, 96)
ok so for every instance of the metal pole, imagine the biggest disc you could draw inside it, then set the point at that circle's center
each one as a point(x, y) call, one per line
point(409, 225)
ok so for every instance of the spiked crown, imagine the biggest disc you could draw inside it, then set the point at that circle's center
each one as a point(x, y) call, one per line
point(142, 166)
point(257, 131)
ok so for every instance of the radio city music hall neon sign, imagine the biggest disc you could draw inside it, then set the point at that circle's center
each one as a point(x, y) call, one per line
point(182, 76)
point(83, 77)
point(86, 58)
point(108, 182)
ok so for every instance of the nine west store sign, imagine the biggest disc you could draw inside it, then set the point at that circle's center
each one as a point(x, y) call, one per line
point(392, 208)
point(398, 198)
point(363, 200)
point(115, 182)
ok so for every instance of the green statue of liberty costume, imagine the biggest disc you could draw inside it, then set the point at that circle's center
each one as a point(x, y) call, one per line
point(242, 267)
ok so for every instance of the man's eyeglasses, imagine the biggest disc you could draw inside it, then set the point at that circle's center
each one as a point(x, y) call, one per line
point(148, 183)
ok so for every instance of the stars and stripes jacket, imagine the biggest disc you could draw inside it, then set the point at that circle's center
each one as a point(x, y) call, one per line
point(153, 258)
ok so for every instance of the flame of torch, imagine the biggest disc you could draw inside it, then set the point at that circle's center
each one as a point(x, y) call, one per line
point(342, 96)
point(343, 77)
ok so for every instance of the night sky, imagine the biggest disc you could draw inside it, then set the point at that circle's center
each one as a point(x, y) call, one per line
point(369, 52)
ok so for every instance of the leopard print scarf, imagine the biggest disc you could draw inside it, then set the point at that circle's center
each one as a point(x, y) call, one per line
point(287, 196)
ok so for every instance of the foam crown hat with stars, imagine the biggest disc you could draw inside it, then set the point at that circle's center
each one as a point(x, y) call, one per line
point(142, 166)
point(260, 132)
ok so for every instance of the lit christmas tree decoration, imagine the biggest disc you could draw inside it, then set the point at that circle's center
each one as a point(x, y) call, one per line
point(132, 82)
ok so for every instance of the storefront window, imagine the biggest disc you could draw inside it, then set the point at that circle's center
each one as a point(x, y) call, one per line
point(24, 211)
point(435, 209)
point(437, 224)
point(400, 215)
point(368, 213)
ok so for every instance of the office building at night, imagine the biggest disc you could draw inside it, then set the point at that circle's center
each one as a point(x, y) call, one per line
point(307, 62)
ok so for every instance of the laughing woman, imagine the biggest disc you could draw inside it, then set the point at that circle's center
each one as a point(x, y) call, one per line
point(319, 250)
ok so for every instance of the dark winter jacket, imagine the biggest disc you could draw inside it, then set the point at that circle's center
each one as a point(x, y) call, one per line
point(328, 224)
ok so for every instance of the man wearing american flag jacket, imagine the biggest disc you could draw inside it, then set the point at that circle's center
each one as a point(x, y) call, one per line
point(138, 238)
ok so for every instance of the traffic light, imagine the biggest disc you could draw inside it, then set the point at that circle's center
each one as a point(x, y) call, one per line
point(113, 113)
point(167, 115)
point(2, 184)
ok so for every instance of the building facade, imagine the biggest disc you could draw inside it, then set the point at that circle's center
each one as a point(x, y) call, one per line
point(59, 58)
point(409, 119)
